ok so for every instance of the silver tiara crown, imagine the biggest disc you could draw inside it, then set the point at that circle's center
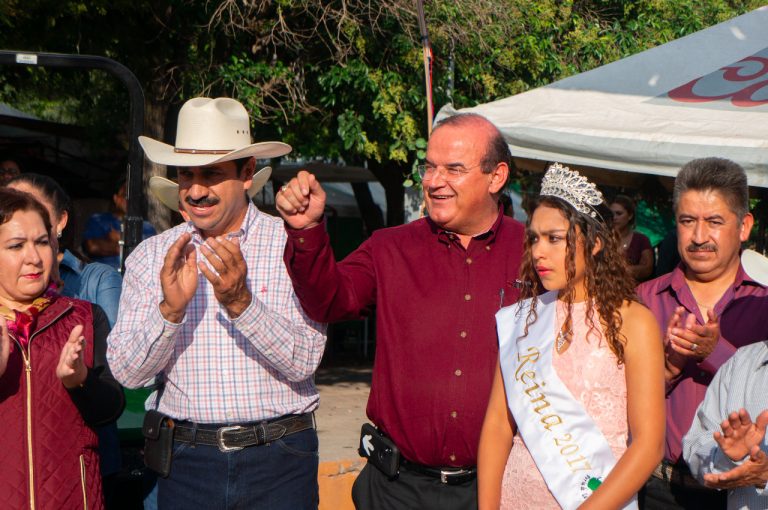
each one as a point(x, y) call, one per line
point(562, 182)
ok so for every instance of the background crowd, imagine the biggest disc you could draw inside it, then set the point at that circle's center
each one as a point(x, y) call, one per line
point(532, 372)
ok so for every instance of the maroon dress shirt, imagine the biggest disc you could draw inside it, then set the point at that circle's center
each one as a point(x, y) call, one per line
point(742, 322)
point(436, 344)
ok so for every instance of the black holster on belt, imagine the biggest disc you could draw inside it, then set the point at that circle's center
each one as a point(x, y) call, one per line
point(158, 442)
point(380, 450)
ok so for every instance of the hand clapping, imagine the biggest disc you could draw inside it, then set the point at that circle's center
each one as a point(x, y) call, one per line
point(739, 434)
point(228, 276)
point(71, 369)
point(689, 339)
point(178, 278)
point(741, 438)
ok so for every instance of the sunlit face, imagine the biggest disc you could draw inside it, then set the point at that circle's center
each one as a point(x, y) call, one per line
point(709, 234)
point(547, 238)
point(26, 259)
point(621, 217)
point(464, 205)
point(213, 197)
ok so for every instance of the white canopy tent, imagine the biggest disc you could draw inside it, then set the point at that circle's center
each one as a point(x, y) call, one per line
point(705, 94)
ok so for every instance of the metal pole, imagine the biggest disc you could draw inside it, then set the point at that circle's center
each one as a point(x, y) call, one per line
point(132, 226)
point(427, 51)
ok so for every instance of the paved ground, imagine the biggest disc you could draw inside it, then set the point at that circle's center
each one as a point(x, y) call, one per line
point(343, 396)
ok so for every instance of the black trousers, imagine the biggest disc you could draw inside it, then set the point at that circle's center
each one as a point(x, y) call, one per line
point(660, 495)
point(410, 491)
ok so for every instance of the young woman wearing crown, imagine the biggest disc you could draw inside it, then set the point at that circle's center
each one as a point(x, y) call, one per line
point(579, 393)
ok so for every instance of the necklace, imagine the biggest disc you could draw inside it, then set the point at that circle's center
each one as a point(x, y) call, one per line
point(562, 340)
point(626, 240)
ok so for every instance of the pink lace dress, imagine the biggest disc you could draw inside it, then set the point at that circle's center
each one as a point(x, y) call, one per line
point(588, 368)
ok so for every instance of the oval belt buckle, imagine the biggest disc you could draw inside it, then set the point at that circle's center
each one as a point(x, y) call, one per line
point(220, 439)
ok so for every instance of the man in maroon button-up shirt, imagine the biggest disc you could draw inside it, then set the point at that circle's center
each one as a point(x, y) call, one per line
point(435, 285)
point(707, 308)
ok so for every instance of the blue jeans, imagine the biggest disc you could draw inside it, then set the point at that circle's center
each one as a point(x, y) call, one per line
point(281, 475)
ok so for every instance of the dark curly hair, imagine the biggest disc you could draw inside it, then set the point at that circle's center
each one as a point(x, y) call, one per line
point(607, 279)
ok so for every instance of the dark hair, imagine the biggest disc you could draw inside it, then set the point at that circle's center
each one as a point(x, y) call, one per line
point(607, 279)
point(49, 188)
point(716, 174)
point(12, 201)
point(59, 199)
point(497, 150)
point(628, 204)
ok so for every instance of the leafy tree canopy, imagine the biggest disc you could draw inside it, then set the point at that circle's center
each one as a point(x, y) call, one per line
point(335, 79)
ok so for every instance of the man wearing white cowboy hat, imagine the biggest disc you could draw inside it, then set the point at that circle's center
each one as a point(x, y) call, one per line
point(208, 308)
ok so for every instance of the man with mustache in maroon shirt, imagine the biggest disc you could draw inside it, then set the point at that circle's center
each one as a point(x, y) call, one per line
point(707, 308)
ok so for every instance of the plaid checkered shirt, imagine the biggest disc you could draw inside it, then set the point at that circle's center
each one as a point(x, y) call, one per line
point(255, 367)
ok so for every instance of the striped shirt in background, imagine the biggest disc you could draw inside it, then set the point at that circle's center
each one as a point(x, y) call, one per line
point(741, 382)
point(216, 370)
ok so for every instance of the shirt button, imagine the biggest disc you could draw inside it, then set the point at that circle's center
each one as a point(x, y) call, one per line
point(463, 334)
point(469, 260)
point(467, 297)
point(487, 248)
point(454, 414)
point(452, 457)
point(301, 240)
point(457, 372)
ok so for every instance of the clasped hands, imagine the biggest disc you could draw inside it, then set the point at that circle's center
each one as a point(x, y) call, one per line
point(740, 439)
point(689, 340)
point(70, 370)
point(178, 276)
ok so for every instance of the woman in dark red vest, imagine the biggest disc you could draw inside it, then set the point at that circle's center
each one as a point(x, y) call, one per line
point(54, 381)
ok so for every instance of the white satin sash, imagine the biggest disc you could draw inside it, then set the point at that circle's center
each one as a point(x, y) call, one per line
point(568, 447)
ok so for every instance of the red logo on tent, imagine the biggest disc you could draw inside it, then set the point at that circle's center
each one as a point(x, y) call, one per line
point(740, 83)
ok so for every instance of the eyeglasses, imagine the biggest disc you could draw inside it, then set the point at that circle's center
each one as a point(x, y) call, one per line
point(450, 172)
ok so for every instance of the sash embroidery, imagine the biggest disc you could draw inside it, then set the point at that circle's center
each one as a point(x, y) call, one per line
point(568, 447)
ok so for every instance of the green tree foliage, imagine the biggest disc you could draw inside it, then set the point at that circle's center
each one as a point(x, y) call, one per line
point(337, 78)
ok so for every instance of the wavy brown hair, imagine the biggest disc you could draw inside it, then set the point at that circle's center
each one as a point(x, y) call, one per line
point(608, 282)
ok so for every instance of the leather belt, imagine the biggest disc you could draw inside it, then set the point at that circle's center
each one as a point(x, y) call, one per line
point(236, 437)
point(676, 473)
point(446, 475)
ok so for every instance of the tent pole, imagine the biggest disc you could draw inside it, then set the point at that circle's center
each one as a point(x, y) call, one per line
point(427, 51)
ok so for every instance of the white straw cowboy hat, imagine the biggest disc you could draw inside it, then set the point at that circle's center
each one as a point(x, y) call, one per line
point(209, 131)
point(167, 191)
point(755, 265)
